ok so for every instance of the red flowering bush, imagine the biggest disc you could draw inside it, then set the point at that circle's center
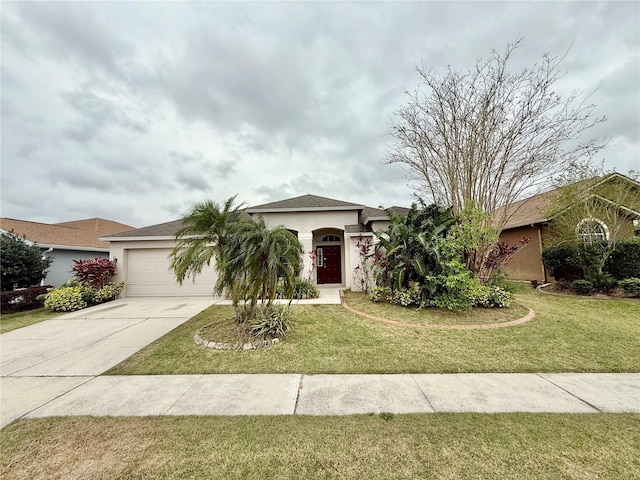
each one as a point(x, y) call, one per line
point(95, 272)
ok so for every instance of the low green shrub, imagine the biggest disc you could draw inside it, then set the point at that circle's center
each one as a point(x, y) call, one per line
point(271, 321)
point(584, 287)
point(380, 294)
point(631, 286)
point(302, 290)
point(65, 299)
point(603, 282)
point(109, 292)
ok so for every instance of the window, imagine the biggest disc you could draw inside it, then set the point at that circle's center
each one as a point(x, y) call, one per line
point(327, 238)
point(592, 230)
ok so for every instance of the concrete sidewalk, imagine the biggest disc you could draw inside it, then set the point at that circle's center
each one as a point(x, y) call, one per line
point(290, 394)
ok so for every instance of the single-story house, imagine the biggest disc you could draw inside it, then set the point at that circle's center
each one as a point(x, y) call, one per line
point(66, 241)
point(530, 218)
point(328, 230)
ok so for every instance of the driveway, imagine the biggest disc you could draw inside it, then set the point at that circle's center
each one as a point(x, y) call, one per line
point(45, 360)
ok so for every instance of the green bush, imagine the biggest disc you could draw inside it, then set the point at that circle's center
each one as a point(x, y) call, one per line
point(583, 287)
point(624, 261)
point(562, 262)
point(109, 292)
point(377, 294)
point(405, 297)
point(631, 286)
point(65, 299)
point(603, 282)
point(271, 321)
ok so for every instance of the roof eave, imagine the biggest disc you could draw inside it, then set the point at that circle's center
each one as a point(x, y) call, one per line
point(305, 209)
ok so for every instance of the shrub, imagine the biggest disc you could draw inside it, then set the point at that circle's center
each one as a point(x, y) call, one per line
point(65, 299)
point(498, 297)
point(96, 272)
point(25, 299)
point(404, 297)
point(304, 289)
point(271, 321)
point(624, 261)
point(631, 286)
point(378, 294)
point(562, 262)
point(109, 292)
point(603, 282)
point(21, 264)
point(583, 287)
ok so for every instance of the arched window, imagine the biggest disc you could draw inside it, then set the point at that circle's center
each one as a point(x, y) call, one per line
point(327, 238)
point(592, 230)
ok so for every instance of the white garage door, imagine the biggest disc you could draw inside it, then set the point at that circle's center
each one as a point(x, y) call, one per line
point(148, 275)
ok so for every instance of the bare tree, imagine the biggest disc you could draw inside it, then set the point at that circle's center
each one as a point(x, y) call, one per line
point(488, 135)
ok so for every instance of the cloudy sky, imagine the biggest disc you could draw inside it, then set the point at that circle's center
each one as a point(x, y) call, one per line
point(133, 111)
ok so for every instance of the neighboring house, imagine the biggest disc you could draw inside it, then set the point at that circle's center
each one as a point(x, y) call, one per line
point(328, 230)
point(66, 241)
point(528, 218)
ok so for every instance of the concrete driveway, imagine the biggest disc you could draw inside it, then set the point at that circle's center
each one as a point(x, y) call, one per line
point(45, 360)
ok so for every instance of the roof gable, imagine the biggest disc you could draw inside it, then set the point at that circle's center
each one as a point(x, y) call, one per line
point(304, 203)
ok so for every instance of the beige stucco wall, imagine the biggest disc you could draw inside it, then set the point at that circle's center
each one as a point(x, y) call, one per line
point(526, 264)
point(305, 222)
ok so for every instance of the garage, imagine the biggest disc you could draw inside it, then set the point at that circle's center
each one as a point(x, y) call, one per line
point(148, 275)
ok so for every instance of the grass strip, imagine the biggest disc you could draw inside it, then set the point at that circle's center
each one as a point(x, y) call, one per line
point(425, 446)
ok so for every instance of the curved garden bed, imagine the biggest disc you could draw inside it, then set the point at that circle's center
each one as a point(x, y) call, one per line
point(449, 316)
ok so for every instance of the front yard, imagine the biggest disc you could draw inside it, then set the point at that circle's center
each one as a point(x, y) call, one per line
point(567, 335)
point(11, 321)
point(514, 446)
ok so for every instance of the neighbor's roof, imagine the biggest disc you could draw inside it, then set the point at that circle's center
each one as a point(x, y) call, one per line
point(304, 203)
point(167, 229)
point(532, 210)
point(80, 233)
point(526, 212)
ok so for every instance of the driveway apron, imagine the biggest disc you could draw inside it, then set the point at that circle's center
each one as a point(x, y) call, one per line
point(43, 361)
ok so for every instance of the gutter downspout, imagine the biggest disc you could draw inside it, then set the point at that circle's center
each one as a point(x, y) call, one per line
point(544, 272)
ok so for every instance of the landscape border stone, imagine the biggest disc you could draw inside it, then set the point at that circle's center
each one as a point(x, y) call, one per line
point(528, 317)
point(233, 346)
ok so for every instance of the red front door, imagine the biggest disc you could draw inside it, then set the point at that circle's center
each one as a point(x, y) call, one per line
point(329, 264)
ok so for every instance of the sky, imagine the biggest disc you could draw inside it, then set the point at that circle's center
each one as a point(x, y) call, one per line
point(133, 111)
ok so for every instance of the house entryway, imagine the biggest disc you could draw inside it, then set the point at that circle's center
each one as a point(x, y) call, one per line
point(329, 264)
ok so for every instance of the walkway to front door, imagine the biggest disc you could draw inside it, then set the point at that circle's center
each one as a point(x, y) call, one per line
point(330, 265)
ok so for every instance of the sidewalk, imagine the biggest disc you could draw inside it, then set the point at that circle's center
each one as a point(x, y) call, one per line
point(295, 394)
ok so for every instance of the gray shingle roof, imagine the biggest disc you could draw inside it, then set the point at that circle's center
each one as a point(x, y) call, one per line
point(304, 203)
point(167, 229)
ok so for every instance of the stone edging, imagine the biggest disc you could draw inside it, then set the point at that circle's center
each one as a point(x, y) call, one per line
point(233, 346)
point(528, 317)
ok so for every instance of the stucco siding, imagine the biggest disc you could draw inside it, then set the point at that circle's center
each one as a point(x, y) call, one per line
point(526, 264)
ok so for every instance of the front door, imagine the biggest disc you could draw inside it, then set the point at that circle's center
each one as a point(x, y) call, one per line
point(329, 264)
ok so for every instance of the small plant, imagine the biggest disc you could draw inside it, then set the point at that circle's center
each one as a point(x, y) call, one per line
point(302, 290)
point(109, 292)
point(65, 299)
point(379, 294)
point(631, 286)
point(583, 287)
point(271, 321)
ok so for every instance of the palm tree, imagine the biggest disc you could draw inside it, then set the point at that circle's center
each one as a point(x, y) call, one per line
point(206, 231)
point(250, 258)
point(258, 259)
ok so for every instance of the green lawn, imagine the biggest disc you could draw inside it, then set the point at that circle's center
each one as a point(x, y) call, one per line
point(567, 335)
point(11, 321)
point(425, 446)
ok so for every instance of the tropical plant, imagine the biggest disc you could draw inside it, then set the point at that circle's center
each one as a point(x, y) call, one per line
point(252, 260)
point(96, 272)
point(410, 245)
point(22, 265)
